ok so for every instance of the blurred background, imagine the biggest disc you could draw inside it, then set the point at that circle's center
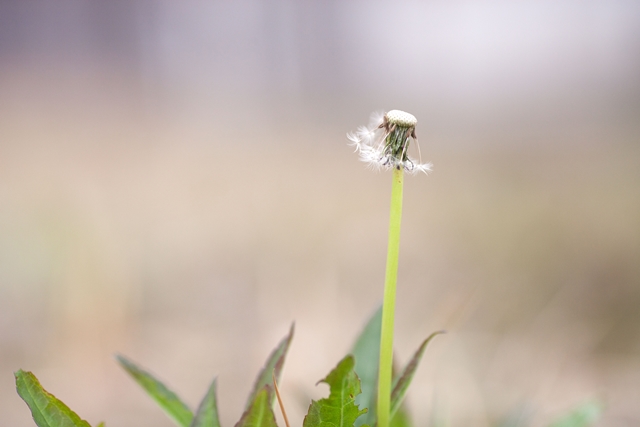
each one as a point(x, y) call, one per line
point(176, 186)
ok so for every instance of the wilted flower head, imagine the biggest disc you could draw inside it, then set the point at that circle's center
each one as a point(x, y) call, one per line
point(385, 142)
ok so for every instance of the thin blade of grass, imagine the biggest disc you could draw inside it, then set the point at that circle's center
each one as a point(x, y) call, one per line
point(207, 413)
point(274, 365)
point(170, 403)
point(404, 380)
point(259, 412)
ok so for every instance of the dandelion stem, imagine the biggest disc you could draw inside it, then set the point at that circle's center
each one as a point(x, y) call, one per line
point(388, 305)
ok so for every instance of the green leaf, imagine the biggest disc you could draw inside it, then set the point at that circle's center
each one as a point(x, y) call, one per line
point(402, 383)
point(274, 364)
point(101, 424)
point(46, 409)
point(259, 413)
point(401, 416)
point(207, 413)
point(367, 355)
point(585, 415)
point(339, 409)
point(168, 400)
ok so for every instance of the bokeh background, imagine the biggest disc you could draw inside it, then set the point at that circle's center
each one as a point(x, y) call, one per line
point(176, 186)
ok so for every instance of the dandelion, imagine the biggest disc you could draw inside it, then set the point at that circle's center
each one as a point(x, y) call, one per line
point(385, 142)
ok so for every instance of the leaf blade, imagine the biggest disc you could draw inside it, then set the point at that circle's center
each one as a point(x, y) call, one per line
point(339, 409)
point(274, 365)
point(170, 403)
point(366, 352)
point(259, 413)
point(46, 409)
point(207, 413)
point(404, 380)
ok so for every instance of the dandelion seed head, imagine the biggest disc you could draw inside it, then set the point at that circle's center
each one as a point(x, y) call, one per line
point(402, 119)
point(385, 142)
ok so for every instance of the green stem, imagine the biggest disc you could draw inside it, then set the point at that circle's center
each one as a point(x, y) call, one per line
point(389, 303)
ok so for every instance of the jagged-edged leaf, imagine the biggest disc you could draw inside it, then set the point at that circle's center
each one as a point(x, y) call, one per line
point(583, 416)
point(273, 366)
point(46, 409)
point(339, 409)
point(177, 410)
point(259, 413)
point(402, 382)
point(207, 413)
point(366, 352)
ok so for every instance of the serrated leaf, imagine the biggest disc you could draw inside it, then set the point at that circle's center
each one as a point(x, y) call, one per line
point(339, 409)
point(402, 383)
point(274, 364)
point(207, 413)
point(46, 409)
point(583, 416)
point(259, 413)
point(170, 403)
point(366, 352)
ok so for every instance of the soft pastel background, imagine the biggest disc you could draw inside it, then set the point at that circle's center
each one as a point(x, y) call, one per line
point(176, 185)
